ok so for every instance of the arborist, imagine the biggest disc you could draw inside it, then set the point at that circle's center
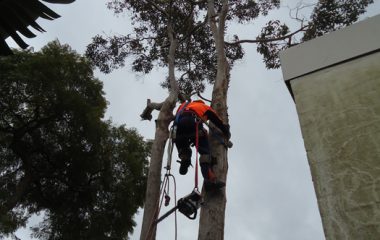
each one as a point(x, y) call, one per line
point(189, 121)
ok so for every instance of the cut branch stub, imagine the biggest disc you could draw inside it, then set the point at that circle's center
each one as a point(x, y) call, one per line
point(150, 106)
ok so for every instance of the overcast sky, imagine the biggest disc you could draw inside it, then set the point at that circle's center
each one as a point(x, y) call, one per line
point(270, 194)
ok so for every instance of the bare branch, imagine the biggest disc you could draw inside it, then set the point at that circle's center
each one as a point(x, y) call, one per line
point(289, 36)
point(205, 99)
point(174, 88)
point(300, 6)
point(222, 17)
point(150, 106)
point(212, 21)
point(158, 8)
point(182, 98)
point(195, 29)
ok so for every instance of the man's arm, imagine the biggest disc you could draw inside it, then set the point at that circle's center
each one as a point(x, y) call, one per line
point(225, 128)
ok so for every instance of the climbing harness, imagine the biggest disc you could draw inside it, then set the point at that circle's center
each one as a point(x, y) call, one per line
point(178, 115)
point(189, 204)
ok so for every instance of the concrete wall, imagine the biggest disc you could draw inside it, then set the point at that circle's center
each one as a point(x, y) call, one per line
point(337, 96)
point(333, 48)
point(339, 112)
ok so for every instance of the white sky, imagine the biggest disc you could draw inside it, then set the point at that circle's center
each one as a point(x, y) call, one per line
point(270, 194)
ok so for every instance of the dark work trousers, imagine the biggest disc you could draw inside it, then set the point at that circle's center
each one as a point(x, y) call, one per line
point(185, 137)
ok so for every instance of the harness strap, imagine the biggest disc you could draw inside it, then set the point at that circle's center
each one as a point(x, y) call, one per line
point(179, 113)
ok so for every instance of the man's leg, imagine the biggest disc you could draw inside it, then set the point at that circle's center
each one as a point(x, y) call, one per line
point(185, 129)
point(185, 161)
point(184, 153)
point(210, 180)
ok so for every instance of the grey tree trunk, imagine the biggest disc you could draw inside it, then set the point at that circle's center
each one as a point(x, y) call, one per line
point(212, 217)
point(152, 196)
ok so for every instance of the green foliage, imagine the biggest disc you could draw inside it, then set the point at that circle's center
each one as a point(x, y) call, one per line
point(196, 54)
point(148, 42)
point(245, 11)
point(271, 49)
point(327, 16)
point(58, 156)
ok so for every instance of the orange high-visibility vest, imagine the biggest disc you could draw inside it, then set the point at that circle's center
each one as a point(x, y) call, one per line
point(198, 107)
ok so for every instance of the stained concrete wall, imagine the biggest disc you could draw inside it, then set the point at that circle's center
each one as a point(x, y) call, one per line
point(339, 113)
point(333, 48)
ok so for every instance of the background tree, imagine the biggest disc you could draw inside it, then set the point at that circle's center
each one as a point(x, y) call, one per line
point(109, 53)
point(326, 16)
point(58, 156)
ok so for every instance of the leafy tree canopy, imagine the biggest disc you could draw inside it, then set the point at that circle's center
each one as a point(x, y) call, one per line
point(148, 42)
point(58, 156)
point(196, 53)
point(327, 16)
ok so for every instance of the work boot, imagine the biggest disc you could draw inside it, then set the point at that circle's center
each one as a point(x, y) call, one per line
point(184, 166)
point(213, 184)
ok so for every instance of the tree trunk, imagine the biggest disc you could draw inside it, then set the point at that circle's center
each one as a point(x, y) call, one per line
point(211, 223)
point(154, 177)
point(152, 196)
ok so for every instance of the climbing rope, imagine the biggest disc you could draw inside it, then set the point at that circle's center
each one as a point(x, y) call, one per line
point(166, 197)
point(164, 193)
point(187, 205)
point(175, 213)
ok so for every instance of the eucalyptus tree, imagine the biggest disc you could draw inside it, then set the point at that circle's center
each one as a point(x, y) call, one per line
point(188, 37)
point(173, 34)
point(58, 157)
point(180, 30)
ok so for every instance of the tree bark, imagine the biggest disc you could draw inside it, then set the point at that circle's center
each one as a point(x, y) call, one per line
point(152, 196)
point(211, 223)
point(154, 177)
